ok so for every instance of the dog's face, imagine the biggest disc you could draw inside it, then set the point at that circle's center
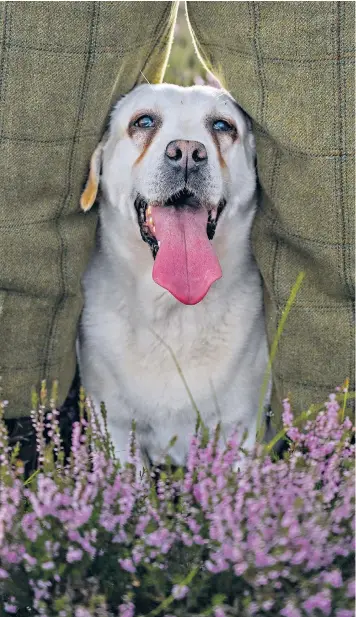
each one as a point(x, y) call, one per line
point(174, 159)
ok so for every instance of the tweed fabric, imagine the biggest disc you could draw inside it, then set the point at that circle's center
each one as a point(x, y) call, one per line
point(62, 65)
point(290, 65)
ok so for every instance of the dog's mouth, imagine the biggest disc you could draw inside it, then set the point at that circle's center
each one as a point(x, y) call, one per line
point(179, 233)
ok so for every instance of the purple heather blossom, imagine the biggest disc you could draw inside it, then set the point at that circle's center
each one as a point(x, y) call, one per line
point(127, 610)
point(74, 554)
point(179, 591)
point(127, 565)
point(82, 612)
point(48, 565)
point(219, 612)
point(290, 611)
point(321, 600)
point(274, 524)
point(334, 578)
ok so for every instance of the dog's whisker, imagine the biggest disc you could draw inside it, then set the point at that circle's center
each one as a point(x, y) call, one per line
point(146, 80)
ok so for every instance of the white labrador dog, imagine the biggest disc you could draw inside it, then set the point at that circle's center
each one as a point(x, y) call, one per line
point(173, 271)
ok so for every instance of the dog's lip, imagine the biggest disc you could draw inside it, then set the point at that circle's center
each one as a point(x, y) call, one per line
point(183, 198)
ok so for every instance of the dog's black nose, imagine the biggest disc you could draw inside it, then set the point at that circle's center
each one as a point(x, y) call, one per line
point(187, 155)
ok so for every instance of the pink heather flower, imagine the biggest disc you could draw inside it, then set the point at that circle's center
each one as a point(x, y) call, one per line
point(344, 612)
point(263, 521)
point(74, 554)
point(127, 610)
point(127, 565)
point(267, 605)
point(290, 611)
point(287, 415)
point(334, 578)
point(179, 591)
point(219, 612)
point(321, 600)
point(351, 588)
point(10, 608)
point(252, 608)
point(48, 565)
point(82, 612)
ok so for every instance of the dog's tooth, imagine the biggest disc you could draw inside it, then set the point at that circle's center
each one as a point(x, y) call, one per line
point(149, 210)
point(150, 220)
point(154, 229)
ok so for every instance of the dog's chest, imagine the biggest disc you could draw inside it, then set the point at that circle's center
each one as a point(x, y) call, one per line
point(154, 362)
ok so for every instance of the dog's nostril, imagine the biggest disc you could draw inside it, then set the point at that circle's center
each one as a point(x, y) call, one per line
point(178, 155)
point(173, 152)
point(199, 155)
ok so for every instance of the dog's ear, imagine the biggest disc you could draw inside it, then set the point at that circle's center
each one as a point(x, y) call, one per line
point(250, 138)
point(245, 115)
point(90, 192)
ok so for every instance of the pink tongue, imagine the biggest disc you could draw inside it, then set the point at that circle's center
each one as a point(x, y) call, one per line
point(186, 264)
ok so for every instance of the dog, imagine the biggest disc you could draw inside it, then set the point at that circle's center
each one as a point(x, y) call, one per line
point(173, 311)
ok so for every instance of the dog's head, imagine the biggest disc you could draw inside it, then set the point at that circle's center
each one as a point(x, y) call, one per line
point(173, 161)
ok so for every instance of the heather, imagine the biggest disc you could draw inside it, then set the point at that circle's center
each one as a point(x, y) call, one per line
point(85, 536)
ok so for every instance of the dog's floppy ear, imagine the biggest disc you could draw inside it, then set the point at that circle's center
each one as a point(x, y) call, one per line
point(90, 192)
point(250, 138)
point(245, 115)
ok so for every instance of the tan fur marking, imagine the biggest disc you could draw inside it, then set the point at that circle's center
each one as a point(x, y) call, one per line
point(217, 146)
point(90, 192)
point(146, 145)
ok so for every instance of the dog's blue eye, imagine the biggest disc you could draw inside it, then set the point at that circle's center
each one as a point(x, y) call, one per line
point(145, 122)
point(222, 125)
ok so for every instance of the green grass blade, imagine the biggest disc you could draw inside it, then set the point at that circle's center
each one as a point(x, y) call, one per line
point(272, 355)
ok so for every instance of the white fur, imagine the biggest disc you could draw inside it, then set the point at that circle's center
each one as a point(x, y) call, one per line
point(220, 343)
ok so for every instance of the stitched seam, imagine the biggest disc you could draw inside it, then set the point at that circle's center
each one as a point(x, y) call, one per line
point(4, 66)
point(161, 25)
point(275, 172)
point(306, 382)
point(34, 222)
point(343, 172)
point(59, 140)
point(339, 166)
point(336, 308)
point(282, 231)
point(26, 367)
point(259, 61)
point(24, 294)
point(340, 140)
point(349, 55)
point(63, 50)
point(51, 335)
point(276, 166)
point(305, 154)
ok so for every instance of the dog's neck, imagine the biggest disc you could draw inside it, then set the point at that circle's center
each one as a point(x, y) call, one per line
point(130, 262)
